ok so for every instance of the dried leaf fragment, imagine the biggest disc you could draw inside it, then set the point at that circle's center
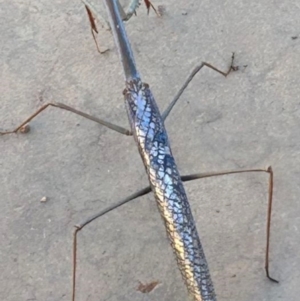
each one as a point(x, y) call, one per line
point(147, 287)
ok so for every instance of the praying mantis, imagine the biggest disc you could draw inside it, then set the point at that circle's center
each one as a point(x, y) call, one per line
point(194, 294)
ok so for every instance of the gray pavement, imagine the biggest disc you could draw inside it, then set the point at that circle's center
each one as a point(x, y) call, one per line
point(251, 119)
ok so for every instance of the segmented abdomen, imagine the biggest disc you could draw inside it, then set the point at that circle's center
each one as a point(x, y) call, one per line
point(151, 137)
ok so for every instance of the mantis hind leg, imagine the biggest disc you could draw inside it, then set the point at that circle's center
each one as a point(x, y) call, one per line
point(185, 178)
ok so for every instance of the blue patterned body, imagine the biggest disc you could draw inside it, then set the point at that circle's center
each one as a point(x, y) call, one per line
point(152, 140)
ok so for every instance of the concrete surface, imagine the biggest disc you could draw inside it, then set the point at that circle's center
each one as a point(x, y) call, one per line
point(251, 119)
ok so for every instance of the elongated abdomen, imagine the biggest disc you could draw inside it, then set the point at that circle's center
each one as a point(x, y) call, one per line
point(154, 148)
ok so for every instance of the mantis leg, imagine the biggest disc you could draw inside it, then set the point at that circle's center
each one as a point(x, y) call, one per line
point(67, 108)
point(190, 78)
point(131, 10)
point(185, 178)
